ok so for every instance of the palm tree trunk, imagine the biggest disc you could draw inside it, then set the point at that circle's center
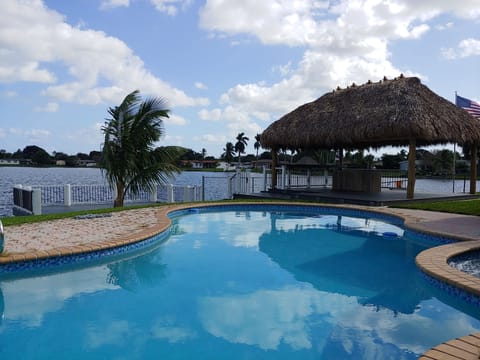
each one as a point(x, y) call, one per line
point(118, 202)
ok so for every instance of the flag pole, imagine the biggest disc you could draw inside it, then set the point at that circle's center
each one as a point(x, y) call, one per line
point(454, 154)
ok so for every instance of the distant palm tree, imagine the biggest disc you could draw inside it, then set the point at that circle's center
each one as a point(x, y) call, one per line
point(129, 159)
point(257, 145)
point(228, 152)
point(204, 153)
point(241, 144)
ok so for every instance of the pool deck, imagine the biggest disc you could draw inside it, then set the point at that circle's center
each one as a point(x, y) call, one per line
point(74, 236)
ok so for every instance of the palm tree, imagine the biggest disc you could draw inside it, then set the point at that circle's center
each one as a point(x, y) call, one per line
point(241, 144)
point(228, 152)
point(257, 144)
point(129, 159)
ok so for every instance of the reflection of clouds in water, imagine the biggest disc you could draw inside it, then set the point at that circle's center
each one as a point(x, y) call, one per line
point(31, 298)
point(404, 330)
point(121, 332)
point(166, 329)
point(113, 333)
point(250, 225)
point(248, 230)
point(267, 318)
point(172, 335)
point(247, 227)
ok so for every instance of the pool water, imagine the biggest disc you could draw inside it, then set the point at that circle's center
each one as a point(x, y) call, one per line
point(240, 285)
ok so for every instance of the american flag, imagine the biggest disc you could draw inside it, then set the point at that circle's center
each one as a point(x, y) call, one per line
point(471, 106)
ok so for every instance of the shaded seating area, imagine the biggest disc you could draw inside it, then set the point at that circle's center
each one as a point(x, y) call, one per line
point(398, 112)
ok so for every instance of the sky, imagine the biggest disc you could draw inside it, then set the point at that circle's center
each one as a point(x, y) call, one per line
point(223, 66)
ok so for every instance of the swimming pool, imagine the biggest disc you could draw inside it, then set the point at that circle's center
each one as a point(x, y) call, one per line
point(241, 283)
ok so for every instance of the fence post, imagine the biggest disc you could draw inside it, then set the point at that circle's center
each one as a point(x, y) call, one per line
point(153, 195)
point(284, 176)
point(202, 190)
point(325, 174)
point(18, 195)
point(309, 178)
point(170, 197)
point(37, 202)
point(2, 237)
point(67, 195)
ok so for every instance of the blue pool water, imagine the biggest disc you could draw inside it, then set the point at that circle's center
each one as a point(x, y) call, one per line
point(240, 284)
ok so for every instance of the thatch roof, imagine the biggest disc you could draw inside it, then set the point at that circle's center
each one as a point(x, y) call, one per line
point(389, 112)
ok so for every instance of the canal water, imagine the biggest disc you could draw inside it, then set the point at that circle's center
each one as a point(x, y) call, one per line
point(216, 183)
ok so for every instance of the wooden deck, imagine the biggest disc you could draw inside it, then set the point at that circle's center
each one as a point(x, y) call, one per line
point(465, 348)
point(383, 198)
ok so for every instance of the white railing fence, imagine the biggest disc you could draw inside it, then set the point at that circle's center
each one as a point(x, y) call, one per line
point(30, 199)
point(243, 181)
point(298, 178)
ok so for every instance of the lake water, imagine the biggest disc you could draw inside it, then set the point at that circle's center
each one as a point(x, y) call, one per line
point(215, 182)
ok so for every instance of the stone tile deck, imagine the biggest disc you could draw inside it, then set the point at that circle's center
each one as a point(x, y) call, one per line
point(74, 236)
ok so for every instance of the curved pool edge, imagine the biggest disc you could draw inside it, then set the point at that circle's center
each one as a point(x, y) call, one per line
point(161, 227)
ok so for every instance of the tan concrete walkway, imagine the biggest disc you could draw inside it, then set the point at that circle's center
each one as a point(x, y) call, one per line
point(73, 236)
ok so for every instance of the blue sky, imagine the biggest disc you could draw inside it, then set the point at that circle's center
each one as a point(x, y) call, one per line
point(224, 66)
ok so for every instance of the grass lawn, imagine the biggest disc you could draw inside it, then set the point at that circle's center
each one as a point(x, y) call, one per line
point(467, 207)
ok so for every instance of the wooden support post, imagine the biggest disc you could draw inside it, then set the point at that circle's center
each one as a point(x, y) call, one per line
point(473, 169)
point(274, 168)
point(411, 169)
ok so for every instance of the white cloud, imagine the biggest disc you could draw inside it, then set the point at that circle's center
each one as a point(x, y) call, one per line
point(344, 42)
point(32, 35)
point(175, 120)
point(212, 138)
point(272, 22)
point(110, 4)
point(90, 137)
point(444, 26)
point(50, 107)
point(210, 115)
point(30, 134)
point(466, 48)
point(284, 70)
point(172, 140)
point(9, 94)
point(201, 86)
point(171, 7)
point(236, 118)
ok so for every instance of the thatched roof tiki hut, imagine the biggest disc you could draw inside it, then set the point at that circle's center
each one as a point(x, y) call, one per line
point(398, 112)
